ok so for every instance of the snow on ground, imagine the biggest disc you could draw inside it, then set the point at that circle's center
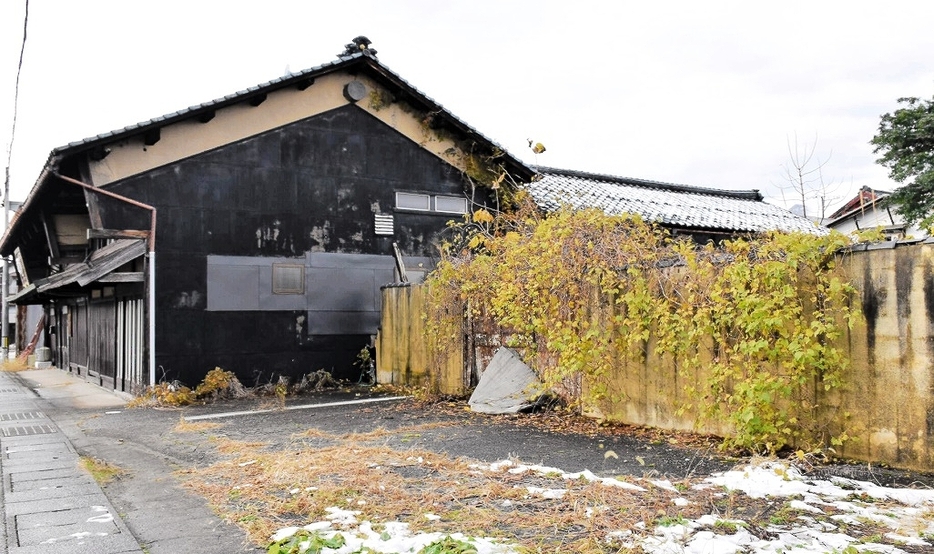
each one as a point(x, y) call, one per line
point(907, 513)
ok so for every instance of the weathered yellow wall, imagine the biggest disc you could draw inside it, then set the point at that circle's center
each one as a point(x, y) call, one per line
point(189, 137)
point(402, 356)
point(890, 391)
point(886, 405)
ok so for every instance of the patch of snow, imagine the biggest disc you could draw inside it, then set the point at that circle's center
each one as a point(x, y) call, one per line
point(664, 485)
point(396, 537)
point(804, 507)
point(908, 513)
point(342, 517)
point(553, 494)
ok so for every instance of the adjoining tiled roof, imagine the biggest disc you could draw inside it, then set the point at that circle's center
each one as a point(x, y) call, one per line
point(671, 205)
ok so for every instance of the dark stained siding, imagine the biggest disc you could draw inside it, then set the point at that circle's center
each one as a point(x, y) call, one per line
point(102, 347)
point(312, 186)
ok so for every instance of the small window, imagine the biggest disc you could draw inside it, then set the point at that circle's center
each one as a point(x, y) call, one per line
point(409, 201)
point(450, 204)
point(288, 279)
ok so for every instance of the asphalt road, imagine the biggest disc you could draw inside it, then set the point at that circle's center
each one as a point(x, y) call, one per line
point(166, 518)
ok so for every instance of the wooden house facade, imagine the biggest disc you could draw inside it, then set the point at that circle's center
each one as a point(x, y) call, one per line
point(252, 232)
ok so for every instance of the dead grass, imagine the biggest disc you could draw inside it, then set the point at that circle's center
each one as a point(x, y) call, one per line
point(194, 426)
point(409, 430)
point(16, 364)
point(263, 491)
point(229, 447)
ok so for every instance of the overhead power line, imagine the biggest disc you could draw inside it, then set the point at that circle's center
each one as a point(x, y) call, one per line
point(19, 71)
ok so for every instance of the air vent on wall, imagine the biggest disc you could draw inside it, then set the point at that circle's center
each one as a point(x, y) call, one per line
point(383, 224)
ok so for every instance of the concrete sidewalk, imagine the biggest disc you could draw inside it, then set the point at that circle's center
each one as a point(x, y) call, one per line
point(50, 503)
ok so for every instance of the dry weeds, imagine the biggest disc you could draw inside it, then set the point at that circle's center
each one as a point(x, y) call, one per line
point(264, 490)
point(194, 426)
point(14, 365)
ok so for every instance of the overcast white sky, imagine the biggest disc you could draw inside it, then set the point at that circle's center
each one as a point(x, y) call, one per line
point(701, 93)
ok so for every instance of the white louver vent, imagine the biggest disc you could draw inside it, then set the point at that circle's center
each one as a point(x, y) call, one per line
point(383, 224)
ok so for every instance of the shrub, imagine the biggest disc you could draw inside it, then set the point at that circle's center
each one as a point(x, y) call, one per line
point(580, 294)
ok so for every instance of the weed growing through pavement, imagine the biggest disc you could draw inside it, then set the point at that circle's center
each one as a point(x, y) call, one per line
point(101, 471)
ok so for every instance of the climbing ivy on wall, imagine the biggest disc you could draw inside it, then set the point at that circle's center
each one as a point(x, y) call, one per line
point(579, 293)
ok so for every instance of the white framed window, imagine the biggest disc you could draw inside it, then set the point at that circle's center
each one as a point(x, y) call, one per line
point(431, 203)
point(412, 201)
point(288, 279)
point(451, 204)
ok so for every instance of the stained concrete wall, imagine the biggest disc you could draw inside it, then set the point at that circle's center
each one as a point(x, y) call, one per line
point(890, 388)
point(886, 405)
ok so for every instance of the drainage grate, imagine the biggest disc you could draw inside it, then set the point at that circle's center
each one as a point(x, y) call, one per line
point(26, 430)
point(22, 416)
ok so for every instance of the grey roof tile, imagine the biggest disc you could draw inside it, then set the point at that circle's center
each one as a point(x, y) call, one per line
point(665, 203)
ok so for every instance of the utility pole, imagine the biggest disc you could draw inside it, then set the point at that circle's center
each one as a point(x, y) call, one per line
point(5, 281)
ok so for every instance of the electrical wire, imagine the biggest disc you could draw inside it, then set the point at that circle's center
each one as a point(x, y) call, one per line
point(19, 70)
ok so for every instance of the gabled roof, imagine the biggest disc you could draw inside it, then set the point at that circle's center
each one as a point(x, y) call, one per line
point(866, 198)
point(364, 62)
point(668, 204)
point(360, 61)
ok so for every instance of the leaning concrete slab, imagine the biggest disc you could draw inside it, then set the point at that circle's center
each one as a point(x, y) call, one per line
point(507, 386)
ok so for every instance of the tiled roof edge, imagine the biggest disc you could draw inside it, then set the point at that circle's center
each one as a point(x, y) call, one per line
point(282, 82)
point(754, 194)
point(226, 100)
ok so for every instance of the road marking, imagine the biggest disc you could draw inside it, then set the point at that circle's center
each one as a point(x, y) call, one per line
point(298, 407)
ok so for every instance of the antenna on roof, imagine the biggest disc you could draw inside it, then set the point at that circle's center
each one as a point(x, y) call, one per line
point(359, 44)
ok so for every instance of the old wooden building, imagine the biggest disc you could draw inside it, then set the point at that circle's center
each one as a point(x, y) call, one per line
point(252, 232)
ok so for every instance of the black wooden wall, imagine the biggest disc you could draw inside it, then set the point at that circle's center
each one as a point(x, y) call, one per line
point(309, 186)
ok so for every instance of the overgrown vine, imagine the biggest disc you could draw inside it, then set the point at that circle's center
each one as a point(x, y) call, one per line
point(753, 324)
